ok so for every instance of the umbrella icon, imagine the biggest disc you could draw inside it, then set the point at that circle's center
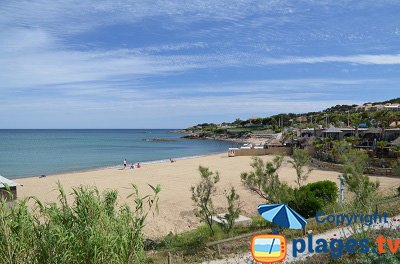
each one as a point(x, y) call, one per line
point(282, 215)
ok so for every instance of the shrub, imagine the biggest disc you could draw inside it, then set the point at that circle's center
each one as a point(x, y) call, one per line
point(90, 230)
point(264, 179)
point(396, 169)
point(340, 148)
point(355, 163)
point(326, 191)
point(301, 164)
point(313, 197)
point(202, 196)
point(233, 209)
point(305, 202)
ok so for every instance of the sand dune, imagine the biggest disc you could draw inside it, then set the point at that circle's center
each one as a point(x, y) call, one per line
point(175, 179)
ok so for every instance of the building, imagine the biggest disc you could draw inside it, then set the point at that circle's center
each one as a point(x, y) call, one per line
point(376, 107)
point(301, 119)
point(3, 191)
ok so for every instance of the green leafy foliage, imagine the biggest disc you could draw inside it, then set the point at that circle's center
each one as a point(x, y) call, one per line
point(313, 197)
point(326, 191)
point(301, 163)
point(305, 203)
point(91, 229)
point(355, 163)
point(202, 196)
point(396, 169)
point(339, 149)
point(264, 180)
point(233, 209)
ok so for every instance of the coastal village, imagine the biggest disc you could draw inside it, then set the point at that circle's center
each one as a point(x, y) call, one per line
point(373, 128)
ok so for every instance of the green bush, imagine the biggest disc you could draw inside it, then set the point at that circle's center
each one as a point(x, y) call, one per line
point(327, 191)
point(305, 203)
point(92, 229)
point(396, 169)
point(219, 131)
point(313, 197)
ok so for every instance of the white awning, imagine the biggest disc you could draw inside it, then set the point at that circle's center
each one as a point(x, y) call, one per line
point(10, 183)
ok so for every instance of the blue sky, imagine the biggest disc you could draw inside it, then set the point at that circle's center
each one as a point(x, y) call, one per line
point(171, 64)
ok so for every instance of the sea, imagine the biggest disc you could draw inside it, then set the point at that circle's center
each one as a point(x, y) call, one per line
point(26, 152)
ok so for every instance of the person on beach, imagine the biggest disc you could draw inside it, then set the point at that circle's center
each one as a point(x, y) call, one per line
point(138, 165)
point(133, 166)
point(124, 163)
point(171, 160)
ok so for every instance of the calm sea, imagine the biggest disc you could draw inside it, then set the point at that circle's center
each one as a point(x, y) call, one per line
point(35, 152)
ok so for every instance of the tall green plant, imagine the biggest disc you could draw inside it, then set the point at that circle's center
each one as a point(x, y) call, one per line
point(202, 196)
point(91, 229)
point(355, 163)
point(339, 149)
point(232, 197)
point(301, 163)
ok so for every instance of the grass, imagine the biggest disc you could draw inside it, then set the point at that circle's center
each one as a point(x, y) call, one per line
point(92, 229)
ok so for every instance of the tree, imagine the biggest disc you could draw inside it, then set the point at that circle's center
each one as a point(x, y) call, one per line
point(301, 159)
point(289, 134)
point(353, 140)
point(381, 145)
point(233, 209)
point(339, 149)
point(318, 148)
point(264, 180)
point(383, 117)
point(396, 169)
point(355, 163)
point(355, 121)
point(202, 196)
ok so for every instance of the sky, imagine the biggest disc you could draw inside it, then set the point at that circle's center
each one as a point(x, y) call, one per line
point(173, 64)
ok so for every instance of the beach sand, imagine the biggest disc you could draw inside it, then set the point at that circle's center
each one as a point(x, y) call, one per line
point(175, 206)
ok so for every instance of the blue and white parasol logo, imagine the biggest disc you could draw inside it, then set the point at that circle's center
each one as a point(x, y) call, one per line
point(282, 215)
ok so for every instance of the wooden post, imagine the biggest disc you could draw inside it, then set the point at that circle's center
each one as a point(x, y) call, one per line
point(218, 250)
point(169, 258)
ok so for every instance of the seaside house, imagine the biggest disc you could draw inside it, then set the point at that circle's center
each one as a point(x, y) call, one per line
point(13, 188)
point(333, 133)
point(396, 142)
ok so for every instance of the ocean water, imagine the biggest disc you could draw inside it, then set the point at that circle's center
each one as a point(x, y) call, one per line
point(26, 153)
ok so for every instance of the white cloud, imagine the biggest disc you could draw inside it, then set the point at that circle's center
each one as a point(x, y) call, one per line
point(379, 59)
point(42, 60)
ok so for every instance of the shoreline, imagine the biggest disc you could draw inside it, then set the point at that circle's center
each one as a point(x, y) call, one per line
point(113, 166)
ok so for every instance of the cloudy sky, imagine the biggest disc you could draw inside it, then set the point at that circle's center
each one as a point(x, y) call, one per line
point(171, 64)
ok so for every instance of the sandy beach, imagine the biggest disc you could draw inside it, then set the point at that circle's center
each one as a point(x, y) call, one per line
point(175, 214)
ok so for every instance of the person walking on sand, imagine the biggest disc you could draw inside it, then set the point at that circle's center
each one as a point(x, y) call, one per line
point(124, 163)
